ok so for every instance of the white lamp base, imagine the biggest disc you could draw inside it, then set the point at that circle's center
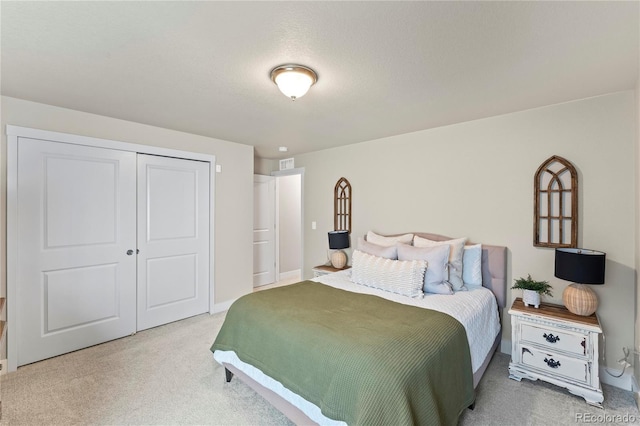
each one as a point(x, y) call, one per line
point(580, 299)
point(338, 259)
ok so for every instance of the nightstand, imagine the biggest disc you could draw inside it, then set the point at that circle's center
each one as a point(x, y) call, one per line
point(321, 270)
point(552, 344)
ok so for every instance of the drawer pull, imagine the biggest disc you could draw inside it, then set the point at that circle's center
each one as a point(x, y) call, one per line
point(552, 363)
point(551, 338)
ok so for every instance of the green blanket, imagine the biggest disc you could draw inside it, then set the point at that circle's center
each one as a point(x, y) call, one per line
point(362, 359)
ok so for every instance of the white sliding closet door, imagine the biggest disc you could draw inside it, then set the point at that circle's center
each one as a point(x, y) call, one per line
point(76, 220)
point(173, 238)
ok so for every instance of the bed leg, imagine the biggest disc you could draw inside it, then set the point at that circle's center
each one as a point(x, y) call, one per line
point(228, 375)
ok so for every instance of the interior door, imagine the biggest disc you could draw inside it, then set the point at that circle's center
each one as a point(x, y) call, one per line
point(173, 239)
point(264, 243)
point(76, 282)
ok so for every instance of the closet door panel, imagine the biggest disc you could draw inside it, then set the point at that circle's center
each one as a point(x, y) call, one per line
point(76, 285)
point(173, 238)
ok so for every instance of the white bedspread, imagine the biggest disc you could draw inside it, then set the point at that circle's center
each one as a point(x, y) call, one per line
point(476, 309)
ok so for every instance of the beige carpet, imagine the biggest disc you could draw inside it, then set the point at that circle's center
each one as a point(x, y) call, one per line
point(167, 376)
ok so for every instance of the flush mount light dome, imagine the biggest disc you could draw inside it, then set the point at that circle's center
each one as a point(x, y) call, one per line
point(293, 80)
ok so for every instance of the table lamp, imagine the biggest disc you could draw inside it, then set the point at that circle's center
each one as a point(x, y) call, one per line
point(338, 240)
point(582, 266)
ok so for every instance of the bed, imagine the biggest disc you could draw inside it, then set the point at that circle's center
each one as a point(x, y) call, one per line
point(296, 346)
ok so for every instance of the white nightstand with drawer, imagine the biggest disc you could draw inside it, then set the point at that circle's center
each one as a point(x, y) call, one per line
point(552, 344)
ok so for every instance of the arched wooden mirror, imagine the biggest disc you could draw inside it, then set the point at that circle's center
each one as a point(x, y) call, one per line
point(342, 205)
point(555, 204)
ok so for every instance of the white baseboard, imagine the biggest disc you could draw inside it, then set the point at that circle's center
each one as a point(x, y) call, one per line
point(505, 346)
point(625, 382)
point(290, 274)
point(221, 307)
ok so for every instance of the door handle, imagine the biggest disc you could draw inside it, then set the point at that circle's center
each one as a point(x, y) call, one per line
point(129, 252)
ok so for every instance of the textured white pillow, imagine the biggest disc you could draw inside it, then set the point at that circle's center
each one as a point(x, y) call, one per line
point(472, 265)
point(455, 257)
point(406, 278)
point(377, 250)
point(380, 240)
point(436, 275)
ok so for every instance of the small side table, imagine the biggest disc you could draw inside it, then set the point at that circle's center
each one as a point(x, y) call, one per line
point(552, 344)
point(321, 270)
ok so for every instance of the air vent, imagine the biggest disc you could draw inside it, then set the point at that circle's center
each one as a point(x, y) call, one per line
point(286, 164)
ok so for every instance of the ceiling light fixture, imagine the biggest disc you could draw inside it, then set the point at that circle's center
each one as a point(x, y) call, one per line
point(293, 80)
point(283, 149)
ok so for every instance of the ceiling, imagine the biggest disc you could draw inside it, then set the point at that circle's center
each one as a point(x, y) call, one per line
point(384, 68)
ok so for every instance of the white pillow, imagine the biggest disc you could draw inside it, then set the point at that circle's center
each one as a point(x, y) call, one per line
point(380, 240)
point(395, 276)
point(455, 257)
point(377, 250)
point(472, 265)
point(436, 275)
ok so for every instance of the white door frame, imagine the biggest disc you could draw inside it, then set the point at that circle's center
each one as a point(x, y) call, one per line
point(14, 133)
point(289, 172)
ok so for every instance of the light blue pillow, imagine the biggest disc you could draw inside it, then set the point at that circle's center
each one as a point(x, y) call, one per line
point(472, 265)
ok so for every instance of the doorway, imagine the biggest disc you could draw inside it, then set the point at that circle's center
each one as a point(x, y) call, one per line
point(278, 256)
point(289, 227)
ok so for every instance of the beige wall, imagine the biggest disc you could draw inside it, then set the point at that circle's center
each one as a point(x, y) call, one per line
point(475, 179)
point(263, 166)
point(233, 224)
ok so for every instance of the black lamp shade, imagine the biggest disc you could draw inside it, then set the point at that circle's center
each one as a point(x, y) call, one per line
point(338, 240)
point(581, 266)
